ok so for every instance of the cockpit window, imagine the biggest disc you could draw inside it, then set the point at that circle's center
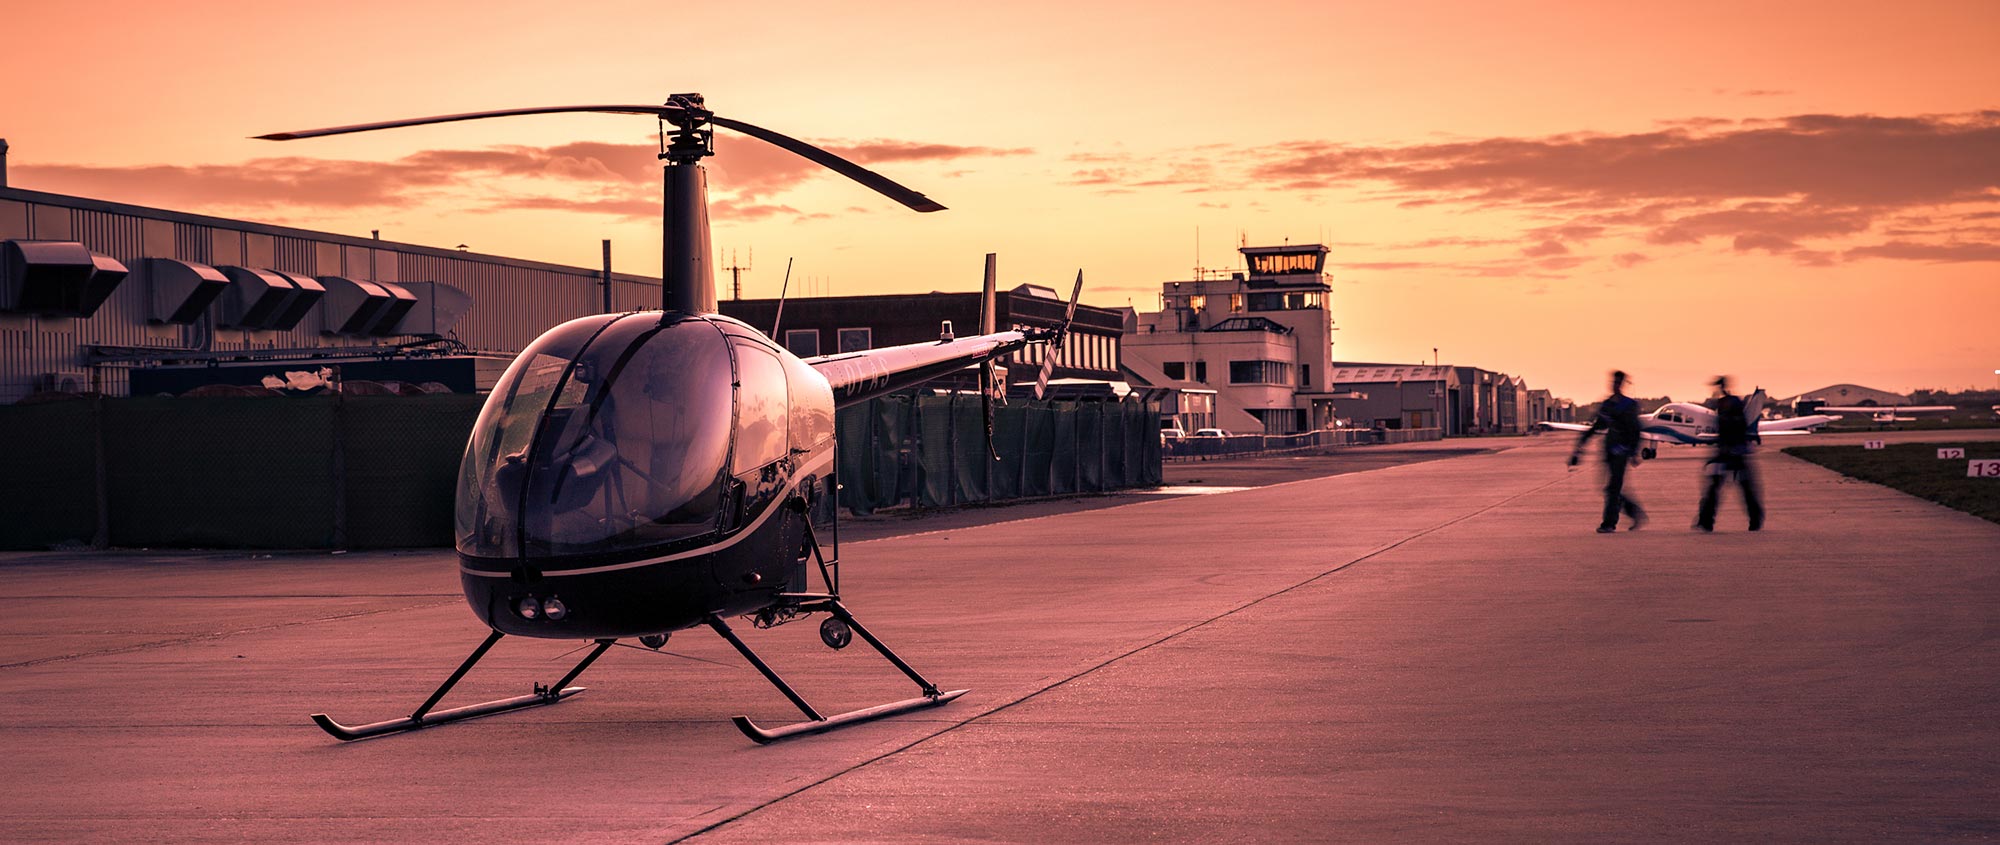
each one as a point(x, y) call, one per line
point(630, 453)
point(495, 454)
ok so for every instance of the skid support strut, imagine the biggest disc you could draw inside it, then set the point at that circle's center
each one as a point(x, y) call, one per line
point(424, 718)
point(817, 723)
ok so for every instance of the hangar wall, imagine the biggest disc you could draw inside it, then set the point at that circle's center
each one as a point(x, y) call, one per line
point(512, 300)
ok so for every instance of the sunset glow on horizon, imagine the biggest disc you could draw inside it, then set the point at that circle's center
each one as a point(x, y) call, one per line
point(1795, 194)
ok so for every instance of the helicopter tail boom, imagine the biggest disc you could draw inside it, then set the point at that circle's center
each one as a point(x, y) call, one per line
point(860, 376)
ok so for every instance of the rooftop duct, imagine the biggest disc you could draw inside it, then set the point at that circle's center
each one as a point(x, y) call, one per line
point(181, 290)
point(438, 308)
point(401, 300)
point(309, 293)
point(255, 298)
point(355, 307)
point(56, 278)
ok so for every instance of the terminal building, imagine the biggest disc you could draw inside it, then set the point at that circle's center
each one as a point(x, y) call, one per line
point(1262, 339)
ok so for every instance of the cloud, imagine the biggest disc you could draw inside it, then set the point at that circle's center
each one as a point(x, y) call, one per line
point(1933, 253)
point(1826, 159)
point(591, 177)
point(1799, 185)
point(1629, 260)
point(881, 150)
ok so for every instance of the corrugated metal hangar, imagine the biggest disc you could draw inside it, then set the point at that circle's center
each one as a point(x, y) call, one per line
point(92, 292)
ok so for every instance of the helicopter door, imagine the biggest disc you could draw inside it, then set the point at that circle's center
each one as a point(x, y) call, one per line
point(760, 471)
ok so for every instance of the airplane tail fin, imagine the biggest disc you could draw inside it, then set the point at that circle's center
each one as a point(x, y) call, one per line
point(1753, 407)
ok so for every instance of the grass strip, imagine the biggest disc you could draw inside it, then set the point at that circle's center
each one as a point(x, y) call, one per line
point(1914, 468)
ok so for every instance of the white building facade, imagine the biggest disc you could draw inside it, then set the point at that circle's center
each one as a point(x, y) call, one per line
point(1262, 339)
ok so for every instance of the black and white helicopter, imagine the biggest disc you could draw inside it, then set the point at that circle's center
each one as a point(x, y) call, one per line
point(635, 474)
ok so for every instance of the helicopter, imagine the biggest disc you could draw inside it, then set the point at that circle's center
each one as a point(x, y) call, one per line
point(636, 474)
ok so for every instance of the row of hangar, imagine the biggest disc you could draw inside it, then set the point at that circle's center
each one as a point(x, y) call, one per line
point(67, 279)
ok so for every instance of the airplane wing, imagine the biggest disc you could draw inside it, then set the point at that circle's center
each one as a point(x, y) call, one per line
point(864, 375)
point(1793, 424)
point(1563, 426)
point(1887, 409)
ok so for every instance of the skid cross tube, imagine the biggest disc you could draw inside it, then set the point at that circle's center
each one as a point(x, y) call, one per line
point(817, 723)
point(424, 718)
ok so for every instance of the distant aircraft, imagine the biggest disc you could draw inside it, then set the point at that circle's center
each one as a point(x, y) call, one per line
point(1688, 424)
point(1886, 413)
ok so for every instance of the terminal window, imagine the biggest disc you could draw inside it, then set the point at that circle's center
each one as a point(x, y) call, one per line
point(1298, 300)
point(1176, 370)
point(1259, 372)
point(856, 340)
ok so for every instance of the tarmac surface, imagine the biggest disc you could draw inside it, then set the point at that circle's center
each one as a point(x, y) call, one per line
point(1433, 651)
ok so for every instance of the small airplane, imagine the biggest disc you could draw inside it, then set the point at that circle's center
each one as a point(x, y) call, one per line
point(636, 474)
point(1886, 413)
point(1689, 424)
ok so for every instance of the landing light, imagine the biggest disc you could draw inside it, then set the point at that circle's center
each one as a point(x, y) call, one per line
point(529, 608)
point(554, 609)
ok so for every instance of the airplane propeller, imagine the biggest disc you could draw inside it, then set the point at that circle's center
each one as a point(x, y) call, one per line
point(684, 111)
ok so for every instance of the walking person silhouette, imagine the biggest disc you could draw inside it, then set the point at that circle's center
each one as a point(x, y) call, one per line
point(1735, 434)
point(1618, 418)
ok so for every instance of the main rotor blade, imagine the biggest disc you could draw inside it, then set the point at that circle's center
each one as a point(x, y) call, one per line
point(663, 111)
point(881, 184)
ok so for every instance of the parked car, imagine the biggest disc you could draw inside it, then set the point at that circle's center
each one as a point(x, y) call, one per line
point(1211, 432)
point(1171, 433)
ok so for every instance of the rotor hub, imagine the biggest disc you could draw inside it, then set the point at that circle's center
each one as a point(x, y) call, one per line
point(691, 140)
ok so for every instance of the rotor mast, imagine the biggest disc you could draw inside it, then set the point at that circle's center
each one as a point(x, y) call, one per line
point(687, 269)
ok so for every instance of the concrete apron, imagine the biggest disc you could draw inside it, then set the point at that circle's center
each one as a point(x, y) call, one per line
point(1437, 650)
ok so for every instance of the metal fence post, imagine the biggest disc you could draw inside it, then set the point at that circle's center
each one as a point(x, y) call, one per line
point(101, 534)
point(339, 471)
point(951, 438)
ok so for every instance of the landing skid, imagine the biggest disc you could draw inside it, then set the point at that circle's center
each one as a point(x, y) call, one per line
point(816, 723)
point(425, 718)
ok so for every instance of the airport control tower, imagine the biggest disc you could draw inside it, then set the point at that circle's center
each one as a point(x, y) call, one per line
point(1262, 338)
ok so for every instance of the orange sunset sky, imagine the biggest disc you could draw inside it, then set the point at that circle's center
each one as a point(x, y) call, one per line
point(1797, 193)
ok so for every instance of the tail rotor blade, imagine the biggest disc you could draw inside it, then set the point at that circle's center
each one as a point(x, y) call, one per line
point(1074, 292)
point(1056, 343)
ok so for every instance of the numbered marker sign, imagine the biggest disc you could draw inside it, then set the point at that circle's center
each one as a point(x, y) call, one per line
point(1951, 454)
point(1983, 468)
point(1873, 444)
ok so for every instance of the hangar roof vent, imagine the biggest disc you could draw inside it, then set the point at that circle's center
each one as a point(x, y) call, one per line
point(438, 308)
point(181, 290)
point(353, 306)
point(255, 298)
point(310, 292)
point(56, 278)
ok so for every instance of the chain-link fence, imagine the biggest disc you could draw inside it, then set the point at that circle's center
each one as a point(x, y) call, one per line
point(379, 472)
point(312, 472)
point(932, 451)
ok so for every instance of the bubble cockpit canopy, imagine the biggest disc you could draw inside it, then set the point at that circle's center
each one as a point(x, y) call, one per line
point(608, 434)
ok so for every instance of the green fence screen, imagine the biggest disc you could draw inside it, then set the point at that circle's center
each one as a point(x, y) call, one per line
point(379, 472)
